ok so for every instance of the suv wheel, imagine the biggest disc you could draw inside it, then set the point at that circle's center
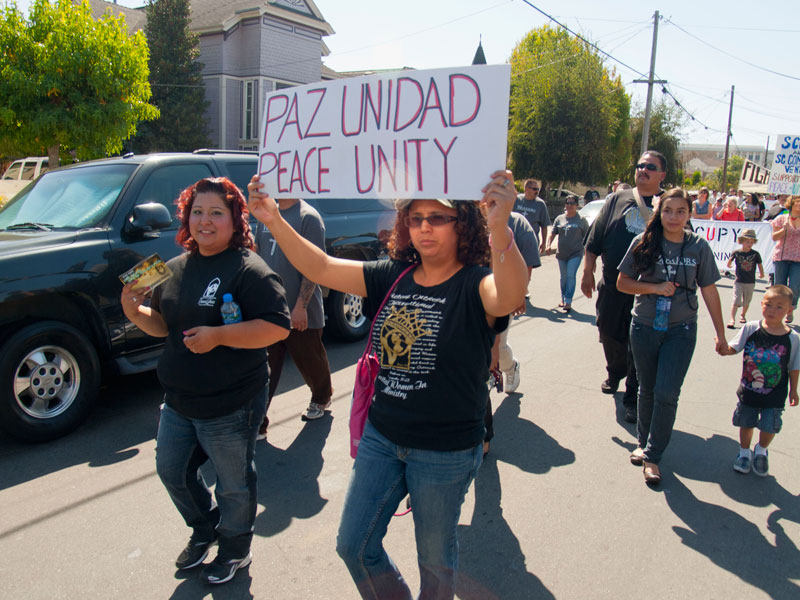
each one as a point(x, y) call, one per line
point(346, 321)
point(49, 377)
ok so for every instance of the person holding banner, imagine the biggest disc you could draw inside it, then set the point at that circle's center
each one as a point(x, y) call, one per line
point(786, 257)
point(433, 336)
point(731, 212)
point(664, 267)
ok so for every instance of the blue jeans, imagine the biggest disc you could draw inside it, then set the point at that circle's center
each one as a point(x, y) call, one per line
point(383, 474)
point(184, 444)
point(569, 270)
point(787, 272)
point(662, 359)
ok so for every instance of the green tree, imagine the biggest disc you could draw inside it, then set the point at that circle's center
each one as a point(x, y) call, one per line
point(735, 164)
point(666, 122)
point(569, 114)
point(176, 79)
point(70, 82)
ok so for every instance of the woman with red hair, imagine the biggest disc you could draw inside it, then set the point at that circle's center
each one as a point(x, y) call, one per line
point(214, 374)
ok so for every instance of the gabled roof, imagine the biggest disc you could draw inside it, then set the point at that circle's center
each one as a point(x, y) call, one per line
point(209, 16)
point(134, 17)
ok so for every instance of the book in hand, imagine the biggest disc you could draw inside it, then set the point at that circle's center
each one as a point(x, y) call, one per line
point(149, 273)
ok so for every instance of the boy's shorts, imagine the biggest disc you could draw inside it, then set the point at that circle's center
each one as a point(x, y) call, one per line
point(742, 293)
point(748, 417)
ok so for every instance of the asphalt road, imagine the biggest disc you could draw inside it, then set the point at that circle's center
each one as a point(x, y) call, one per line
point(557, 511)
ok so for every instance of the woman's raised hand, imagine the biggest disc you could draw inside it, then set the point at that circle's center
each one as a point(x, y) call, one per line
point(498, 197)
point(261, 206)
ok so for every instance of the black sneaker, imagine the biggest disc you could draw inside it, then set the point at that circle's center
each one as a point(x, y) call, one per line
point(194, 553)
point(630, 414)
point(221, 570)
point(609, 386)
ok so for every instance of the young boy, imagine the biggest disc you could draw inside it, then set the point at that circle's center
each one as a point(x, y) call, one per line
point(771, 366)
point(746, 260)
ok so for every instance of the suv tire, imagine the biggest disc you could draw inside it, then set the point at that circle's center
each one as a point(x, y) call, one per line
point(49, 378)
point(346, 320)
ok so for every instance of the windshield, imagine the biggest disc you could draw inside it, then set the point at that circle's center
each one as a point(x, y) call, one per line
point(13, 171)
point(73, 198)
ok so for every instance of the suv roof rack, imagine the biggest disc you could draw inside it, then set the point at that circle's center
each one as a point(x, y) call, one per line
point(223, 151)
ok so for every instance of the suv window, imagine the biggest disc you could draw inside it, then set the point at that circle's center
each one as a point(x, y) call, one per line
point(13, 171)
point(71, 198)
point(241, 172)
point(166, 183)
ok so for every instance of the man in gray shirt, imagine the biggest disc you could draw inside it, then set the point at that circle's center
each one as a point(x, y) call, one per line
point(304, 298)
point(534, 210)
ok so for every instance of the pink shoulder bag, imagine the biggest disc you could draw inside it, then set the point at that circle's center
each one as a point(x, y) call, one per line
point(366, 372)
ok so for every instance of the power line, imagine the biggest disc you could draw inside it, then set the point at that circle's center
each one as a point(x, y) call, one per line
point(732, 55)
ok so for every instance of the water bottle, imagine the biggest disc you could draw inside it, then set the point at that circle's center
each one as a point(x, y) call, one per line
point(661, 320)
point(230, 310)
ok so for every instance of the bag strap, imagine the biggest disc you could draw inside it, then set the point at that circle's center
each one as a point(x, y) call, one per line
point(380, 308)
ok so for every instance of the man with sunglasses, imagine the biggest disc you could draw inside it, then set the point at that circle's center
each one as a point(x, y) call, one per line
point(534, 209)
point(623, 216)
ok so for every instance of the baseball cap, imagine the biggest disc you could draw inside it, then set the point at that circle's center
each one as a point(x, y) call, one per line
point(404, 203)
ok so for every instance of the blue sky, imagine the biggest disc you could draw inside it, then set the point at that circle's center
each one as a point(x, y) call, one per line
point(703, 49)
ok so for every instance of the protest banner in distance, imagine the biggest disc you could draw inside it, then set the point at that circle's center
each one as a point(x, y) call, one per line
point(407, 134)
point(723, 237)
point(785, 178)
point(754, 178)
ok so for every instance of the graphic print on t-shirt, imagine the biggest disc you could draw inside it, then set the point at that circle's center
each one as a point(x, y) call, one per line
point(399, 332)
point(762, 367)
point(634, 222)
point(209, 297)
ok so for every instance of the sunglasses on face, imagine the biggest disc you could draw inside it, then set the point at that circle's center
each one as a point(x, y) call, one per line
point(530, 187)
point(648, 166)
point(572, 203)
point(415, 221)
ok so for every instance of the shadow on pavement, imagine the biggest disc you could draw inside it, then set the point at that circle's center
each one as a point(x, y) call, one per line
point(125, 416)
point(191, 588)
point(503, 573)
point(287, 483)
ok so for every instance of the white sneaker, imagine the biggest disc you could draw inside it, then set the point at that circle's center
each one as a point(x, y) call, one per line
point(315, 411)
point(512, 379)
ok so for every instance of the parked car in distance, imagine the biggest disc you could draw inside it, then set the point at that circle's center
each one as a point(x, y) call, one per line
point(19, 174)
point(63, 243)
point(591, 210)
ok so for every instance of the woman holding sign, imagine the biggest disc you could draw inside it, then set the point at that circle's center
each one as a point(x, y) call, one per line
point(433, 338)
point(786, 256)
point(214, 371)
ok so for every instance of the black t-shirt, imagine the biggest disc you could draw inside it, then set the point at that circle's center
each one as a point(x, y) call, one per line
point(746, 265)
point(434, 347)
point(618, 222)
point(210, 385)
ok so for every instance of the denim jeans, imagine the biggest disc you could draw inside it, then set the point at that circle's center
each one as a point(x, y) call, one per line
point(787, 272)
point(184, 444)
point(383, 474)
point(662, 359)
point(569, 270)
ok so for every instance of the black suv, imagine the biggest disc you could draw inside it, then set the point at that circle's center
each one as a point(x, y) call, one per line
point(63, 242)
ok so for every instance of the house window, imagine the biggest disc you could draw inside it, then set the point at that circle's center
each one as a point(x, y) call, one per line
point(279, 85)
point(248, 129)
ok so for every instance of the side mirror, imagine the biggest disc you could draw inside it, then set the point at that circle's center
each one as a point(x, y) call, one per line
point(148, 217)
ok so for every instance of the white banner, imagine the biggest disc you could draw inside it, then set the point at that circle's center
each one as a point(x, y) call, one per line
point(407, 134)
point(723, 237)
point(785, 178)
point(754, 178)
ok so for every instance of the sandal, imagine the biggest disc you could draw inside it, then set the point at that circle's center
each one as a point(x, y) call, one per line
point(560, 305)
point(742, 320)
point(731, 325)
point(637, 457)
point(652, 474)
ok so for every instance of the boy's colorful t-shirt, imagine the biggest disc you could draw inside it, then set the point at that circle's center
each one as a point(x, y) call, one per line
point(767, 361)
point(746, 265)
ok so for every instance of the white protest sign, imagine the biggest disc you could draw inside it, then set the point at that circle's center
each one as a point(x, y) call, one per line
point(723, 237)
point(785, 178)
point(406, 134)
point(753, 178)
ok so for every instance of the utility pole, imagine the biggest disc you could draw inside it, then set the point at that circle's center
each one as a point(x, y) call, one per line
point(724, 184)
point(766, 151)
point(650, 81)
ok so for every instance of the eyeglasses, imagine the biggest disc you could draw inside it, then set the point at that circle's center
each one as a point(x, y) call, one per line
point(530, 187)
point(572, 203)
point(415, 221)
point(648, 166)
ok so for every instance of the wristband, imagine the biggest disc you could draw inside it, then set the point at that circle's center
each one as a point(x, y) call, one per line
point(510, 244)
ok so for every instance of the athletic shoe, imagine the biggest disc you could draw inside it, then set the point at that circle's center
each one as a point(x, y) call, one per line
point(194, 553)
point(742, 464)
point(630, 414)
point(262, 429)
point(609, 386)
point(315, 411)
point(512, 379)
point(221, 570)
point(761, 465)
